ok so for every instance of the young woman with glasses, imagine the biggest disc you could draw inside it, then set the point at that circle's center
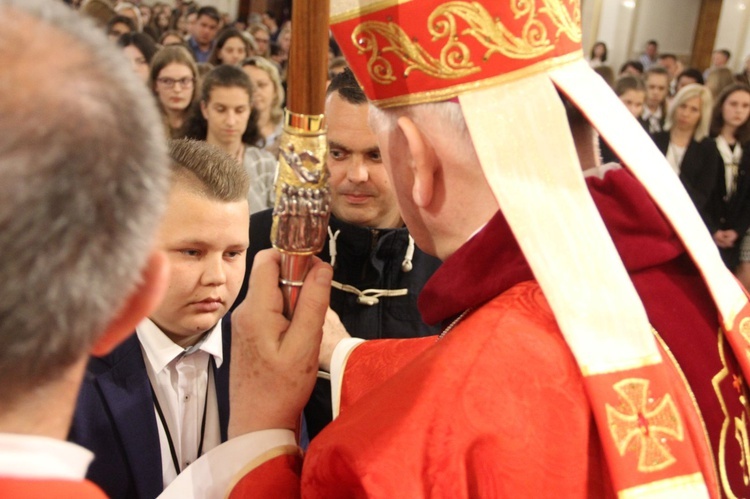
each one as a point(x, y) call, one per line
point(173, 79)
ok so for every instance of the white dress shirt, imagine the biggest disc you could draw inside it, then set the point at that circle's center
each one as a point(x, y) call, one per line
point(36, 457)
point(675, 154)
point(183, 382)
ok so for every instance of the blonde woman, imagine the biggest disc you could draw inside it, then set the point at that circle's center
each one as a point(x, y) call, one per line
point(268, 97)
point(686, 144)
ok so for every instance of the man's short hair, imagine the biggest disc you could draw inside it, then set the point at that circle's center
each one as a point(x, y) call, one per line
point(725, 53)
point(656, 70)
point(208, 170)
point(84, 168)
point(693, 74)
point(348, 88)
point(209, 11)
point(661, 57)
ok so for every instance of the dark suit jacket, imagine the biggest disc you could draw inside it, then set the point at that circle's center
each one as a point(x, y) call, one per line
point(367, 258)
point(726, 212)
point(115, 420)
point(698, 170)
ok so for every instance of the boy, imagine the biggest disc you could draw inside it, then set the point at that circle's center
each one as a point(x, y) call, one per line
point(160, 400)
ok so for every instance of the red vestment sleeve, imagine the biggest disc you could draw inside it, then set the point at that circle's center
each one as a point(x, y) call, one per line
point(375, 361)
point(276, 478)
point(62, 489)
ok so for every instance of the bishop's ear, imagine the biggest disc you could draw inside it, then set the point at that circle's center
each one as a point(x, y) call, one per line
point(422, 161)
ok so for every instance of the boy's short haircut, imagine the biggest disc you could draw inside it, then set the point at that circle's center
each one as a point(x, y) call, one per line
point(208, 170)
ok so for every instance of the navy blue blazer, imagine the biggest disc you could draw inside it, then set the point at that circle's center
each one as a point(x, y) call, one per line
point(115, 419)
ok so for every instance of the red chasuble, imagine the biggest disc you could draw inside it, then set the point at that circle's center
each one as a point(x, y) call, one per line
point(11, 488)
point(497, 408)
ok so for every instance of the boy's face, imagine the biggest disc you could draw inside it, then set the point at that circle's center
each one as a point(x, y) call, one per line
point(205, 241)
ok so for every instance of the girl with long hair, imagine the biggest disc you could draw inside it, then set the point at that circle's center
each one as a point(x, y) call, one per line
point(225, 121)
point(729, 208)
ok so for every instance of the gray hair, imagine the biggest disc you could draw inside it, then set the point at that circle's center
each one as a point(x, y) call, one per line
point(440, 119)
point(85, 175)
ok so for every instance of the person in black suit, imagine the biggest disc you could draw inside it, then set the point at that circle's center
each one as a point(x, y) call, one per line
point(729, 206)
point(685, 143)
point(160, 400)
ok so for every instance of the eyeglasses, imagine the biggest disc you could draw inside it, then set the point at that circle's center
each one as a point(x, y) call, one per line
point(171, 82)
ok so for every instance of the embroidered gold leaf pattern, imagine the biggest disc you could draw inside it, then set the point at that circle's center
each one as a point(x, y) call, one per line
point(566, 21)
point(365, 36)
point(644, 425)
point(455, 58)
point(494, 35)
point(745, 333)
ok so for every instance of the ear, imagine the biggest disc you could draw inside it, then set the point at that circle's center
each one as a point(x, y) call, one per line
point(203, 110)
point(142, 301)
point(423, 162)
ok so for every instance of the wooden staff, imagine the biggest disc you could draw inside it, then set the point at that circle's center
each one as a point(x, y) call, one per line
point(303, 199)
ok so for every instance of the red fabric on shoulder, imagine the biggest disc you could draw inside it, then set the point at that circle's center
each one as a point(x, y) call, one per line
point(59, 489)
point(373, 362)
point(275, 478)
point(494, 409)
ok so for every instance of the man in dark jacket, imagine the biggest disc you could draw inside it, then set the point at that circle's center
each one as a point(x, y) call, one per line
point(378, 271)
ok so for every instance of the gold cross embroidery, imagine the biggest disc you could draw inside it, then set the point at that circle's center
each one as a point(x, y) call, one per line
point(644, 425)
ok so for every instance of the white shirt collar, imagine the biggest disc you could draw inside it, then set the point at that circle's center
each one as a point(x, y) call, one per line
point(37, 457)
point(160, 350)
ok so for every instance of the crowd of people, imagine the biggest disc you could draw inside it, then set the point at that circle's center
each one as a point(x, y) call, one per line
point(183, 52)
point(701, 123)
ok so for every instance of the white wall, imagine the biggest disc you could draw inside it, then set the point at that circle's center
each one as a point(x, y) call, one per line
point(614, 29)
point(732, 33)
point(626, 25)
point(230, 6)
point(670, 22)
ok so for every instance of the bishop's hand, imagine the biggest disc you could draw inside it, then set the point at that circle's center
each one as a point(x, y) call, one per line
point(275, 361)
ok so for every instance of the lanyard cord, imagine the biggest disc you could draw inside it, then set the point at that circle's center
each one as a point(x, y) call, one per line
point(172, 451)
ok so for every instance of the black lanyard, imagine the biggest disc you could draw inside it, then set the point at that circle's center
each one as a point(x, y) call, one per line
point(172, 451)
